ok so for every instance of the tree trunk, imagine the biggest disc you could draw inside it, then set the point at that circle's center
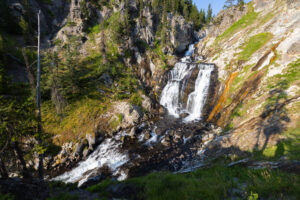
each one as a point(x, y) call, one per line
point(38, 103)
point(19, 155)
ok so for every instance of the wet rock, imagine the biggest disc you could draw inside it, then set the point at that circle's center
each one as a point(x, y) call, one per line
point(166, 141)
point(162, 110)
point(208, 137)
point(184, 115)
point(147, 135)
point(79, 148)
point(177, 137)
point(132, 132)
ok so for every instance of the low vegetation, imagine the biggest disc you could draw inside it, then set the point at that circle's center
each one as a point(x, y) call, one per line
point(245, 21)
point(214, 183)
point(254, 44)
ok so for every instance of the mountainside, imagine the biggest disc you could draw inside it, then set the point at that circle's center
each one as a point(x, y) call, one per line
point(132, 87)
point(258, 67)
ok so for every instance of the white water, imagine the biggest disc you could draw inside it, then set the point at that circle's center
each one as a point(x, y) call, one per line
point(107, 154)
point(173, 91)
point(172, 94)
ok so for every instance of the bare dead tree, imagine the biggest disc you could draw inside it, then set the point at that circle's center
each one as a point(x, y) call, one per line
point(38, 103)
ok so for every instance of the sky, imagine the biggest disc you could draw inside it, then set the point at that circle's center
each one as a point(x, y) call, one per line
point(217, 5)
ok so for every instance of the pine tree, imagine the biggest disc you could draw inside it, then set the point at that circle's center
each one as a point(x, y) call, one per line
point(17, 121)
point(241, 4)
point(209, 13)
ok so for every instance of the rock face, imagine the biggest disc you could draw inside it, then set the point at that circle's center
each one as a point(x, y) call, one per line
point(182, 33)
point(242, 100)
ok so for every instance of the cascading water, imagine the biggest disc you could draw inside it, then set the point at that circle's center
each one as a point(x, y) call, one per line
point(172, 95)
point(107, 154)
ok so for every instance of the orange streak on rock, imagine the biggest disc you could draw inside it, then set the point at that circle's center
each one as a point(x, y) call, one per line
point(224, 95)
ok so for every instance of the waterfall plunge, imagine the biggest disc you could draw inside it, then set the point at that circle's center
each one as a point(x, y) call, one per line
point(172, 94)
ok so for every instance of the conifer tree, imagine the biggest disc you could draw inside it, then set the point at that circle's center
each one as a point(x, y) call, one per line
point(209, 13)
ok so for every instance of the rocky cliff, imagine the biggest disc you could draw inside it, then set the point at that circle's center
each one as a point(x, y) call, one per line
point(256, 50)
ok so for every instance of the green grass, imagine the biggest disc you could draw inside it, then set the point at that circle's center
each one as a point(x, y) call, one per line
point(245, 21)
point(212, 183)
point(289, 147)
point(254, 44)
point(287, 77)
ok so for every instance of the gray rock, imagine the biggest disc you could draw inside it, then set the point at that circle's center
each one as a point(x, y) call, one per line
point(86, 152)
point(107, 80)
point(132, 132)
point(146, 103)
point(91, 141)
point(183, 33)
point(79, 148)
point(207, 137)
point(294, 49)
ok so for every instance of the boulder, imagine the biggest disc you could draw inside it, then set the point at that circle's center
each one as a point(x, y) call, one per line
point(131, 114)
point(146, 103)
point(79, 148)
point(91, 139)
point(132, 132)
point(166, 141)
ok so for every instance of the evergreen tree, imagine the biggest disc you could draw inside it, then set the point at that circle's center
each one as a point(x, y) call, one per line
point(209, 13)
point(17, 121)
point(241, 4)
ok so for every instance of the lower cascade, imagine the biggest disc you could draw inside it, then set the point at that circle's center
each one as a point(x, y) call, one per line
point(106, 155)
point(173, 95)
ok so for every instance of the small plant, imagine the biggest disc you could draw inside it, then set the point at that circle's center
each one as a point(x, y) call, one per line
point(253, 196)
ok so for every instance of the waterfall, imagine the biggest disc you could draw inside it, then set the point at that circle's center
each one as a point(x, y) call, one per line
point(172, 95)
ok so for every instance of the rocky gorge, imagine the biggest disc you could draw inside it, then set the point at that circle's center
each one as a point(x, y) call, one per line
point(226, 94)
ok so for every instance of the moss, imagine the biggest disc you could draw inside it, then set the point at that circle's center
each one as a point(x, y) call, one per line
point(79, 118)
point(227, 128)
point(245, 21)
point(136, 99)
point(287, 77)
point(254, 44)
point(116, 121)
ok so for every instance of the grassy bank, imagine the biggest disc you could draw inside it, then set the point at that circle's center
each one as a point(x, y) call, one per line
point(214, 183)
